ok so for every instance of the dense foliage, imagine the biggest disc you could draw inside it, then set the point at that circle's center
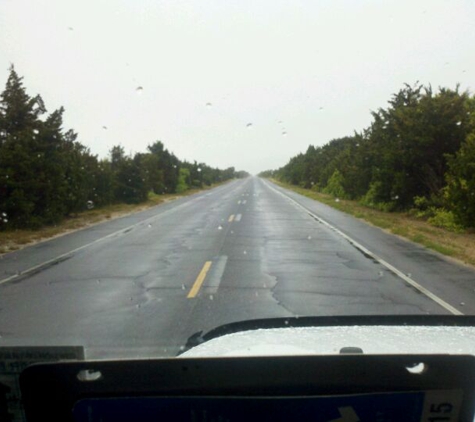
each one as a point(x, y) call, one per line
point(418, 153)
point(46, 174)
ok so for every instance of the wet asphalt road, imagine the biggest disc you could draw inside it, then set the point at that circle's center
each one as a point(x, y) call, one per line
point(141, 285)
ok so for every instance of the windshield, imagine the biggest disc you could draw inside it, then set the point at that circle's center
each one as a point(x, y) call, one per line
point(168, 167)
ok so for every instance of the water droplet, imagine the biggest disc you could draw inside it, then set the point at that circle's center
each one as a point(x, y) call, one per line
point(70, 28)
point(337, 199)
point(182, 287)
point(139, 89)
point(198, 169)
point(458, 123)
point(286, 322)
point(320, 108)
point(284, 133)
point(104, 127)
point(257, 294)
point(211, 297)
point(409, 274)
point(309, 237)
point(98, 281)
point(245, 252)
point(249, 125)
point(220, 227)
point(5, 220)
point(380, 273)
point(36, 131)
point(232, 231)
point(209, 105)
point(265, 286)
point(357, 145)
point(138, 306)
point(4, 214)
point(462, 303)
point(90, 205)
point(149, 225)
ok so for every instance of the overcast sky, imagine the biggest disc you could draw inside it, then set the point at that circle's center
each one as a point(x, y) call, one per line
point(244, 83)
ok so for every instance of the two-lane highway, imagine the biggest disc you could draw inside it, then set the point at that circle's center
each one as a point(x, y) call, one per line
point(142, 285)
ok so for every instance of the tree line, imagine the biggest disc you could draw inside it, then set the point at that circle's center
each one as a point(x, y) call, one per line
point(417, 154)
point(46, 174)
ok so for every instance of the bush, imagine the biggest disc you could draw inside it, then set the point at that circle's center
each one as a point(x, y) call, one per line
point(370, 199)
point(335, 185)
point(446, 220)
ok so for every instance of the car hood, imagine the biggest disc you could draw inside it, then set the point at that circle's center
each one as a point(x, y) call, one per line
point(332, 339)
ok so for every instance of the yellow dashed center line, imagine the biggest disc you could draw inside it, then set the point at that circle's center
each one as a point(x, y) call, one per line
point(231, 218)
point(199, 280)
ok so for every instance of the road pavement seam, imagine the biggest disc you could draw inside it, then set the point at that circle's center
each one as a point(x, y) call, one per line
point(367, 252)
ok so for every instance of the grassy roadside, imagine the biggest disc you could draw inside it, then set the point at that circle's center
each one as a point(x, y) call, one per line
point(17, 239)
point(460, 246)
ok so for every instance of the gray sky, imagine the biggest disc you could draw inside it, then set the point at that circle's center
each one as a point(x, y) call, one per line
point(312, 69)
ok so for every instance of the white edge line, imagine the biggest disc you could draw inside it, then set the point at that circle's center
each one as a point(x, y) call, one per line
point(391, 268)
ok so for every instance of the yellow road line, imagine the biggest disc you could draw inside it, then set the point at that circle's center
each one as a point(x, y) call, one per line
point(231, 218)
point(199, 280)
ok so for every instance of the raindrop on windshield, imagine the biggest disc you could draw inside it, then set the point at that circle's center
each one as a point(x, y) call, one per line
point(321, 108)
point(462, 303)
point(337, 199)
point(90, 205)
point(209, 105)
point(220, 227)
point(211, 297)
point(36, 131)
point(182, 287)
point(284, 133)
point(309, 237)
point(70, 28)
point(139, 89)
point(104, 127)
point(199, 169)
point(249, 125)
point(149, 225)
point(458, 123)
point(245, 252)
